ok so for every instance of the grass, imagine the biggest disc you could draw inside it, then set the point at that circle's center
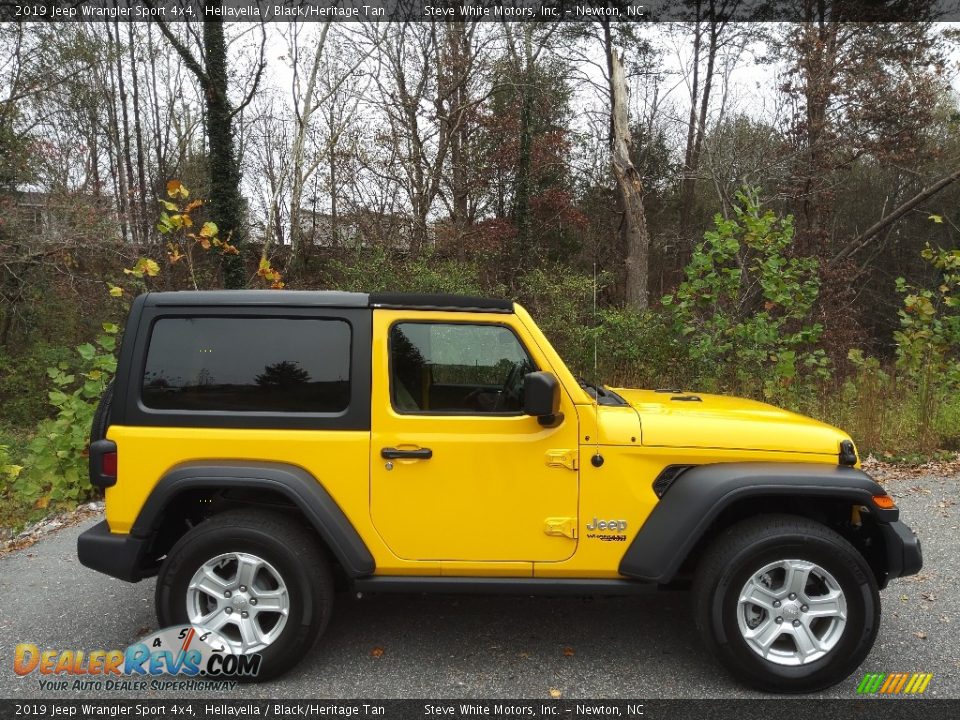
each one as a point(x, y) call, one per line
point(889, 418)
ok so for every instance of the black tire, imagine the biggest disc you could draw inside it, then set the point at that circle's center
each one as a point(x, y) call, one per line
point(291, 548)
point(101, 416)
point(743, 550)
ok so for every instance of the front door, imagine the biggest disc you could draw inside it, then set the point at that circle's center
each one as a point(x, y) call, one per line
point(458, 472)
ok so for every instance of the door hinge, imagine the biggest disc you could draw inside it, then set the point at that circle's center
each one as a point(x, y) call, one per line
point(562, 458)
point(565, 526)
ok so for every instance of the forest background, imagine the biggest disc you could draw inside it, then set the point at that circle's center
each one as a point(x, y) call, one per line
point(765, 209)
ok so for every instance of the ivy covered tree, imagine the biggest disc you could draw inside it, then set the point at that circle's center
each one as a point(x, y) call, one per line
point(226, 204)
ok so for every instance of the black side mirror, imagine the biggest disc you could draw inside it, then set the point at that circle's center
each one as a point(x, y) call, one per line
point(541, 398)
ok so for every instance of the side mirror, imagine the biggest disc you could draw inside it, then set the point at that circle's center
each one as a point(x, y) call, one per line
point(541, 398)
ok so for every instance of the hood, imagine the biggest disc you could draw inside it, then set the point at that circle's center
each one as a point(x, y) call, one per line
point(670, 419)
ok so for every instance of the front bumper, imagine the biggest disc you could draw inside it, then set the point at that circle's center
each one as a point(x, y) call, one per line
point(904, 554)
point(119, 556)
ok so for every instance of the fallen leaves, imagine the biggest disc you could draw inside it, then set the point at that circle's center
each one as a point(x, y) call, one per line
point(887, 471)
point(555, 694)
point(568, 652)
point(920, 634)
point(377, 652)
point(32, 533)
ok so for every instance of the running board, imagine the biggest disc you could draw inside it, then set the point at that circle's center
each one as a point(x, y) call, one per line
point(500, 585)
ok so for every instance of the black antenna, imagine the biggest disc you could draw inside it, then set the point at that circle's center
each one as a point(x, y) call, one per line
point(597, 459)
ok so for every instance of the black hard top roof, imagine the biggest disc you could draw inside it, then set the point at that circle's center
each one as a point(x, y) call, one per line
point(323, 298)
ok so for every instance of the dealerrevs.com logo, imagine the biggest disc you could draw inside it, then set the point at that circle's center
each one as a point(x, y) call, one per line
point(894, 683)
point(182, 651)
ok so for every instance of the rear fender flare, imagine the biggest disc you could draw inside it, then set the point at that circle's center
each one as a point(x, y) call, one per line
point(294, 483)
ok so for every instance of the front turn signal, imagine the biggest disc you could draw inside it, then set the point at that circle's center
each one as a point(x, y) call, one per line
point(884, 502)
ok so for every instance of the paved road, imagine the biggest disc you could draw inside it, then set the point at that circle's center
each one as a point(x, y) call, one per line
point(455, 647)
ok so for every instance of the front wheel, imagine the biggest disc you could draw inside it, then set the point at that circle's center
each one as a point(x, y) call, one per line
point(257, 579)
point(786, 604)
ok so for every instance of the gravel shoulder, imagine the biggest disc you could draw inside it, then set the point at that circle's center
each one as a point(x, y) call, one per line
point(494, 647)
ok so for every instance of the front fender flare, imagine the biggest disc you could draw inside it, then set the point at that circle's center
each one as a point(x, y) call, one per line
point(700, 494)
point(294, 483)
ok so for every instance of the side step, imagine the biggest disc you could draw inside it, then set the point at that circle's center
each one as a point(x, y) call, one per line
point(500, 585)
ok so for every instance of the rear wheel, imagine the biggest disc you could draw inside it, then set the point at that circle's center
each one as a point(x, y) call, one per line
point(786, 604)
point(258, 580)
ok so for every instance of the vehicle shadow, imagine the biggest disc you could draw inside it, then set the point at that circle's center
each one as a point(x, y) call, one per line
point(507, 646)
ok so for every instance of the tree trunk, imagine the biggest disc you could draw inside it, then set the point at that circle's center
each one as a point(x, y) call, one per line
point(689, 167)
point(158, 133)
point(459, 60)
point(115, 150)
point(225, 202)
point(127, 153)
point(334, 188)
point(818, 69)
point(629, 187)
point(521, 246)
point(138, 134)
point(304, 116)
point(698, 133)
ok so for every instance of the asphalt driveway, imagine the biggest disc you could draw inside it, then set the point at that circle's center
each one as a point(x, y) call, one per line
point(488, 647)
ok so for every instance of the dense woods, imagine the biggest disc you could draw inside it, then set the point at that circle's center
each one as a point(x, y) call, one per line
point(769, 209)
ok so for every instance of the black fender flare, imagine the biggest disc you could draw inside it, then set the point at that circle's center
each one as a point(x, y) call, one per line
point(698, 495)
point(294, 483)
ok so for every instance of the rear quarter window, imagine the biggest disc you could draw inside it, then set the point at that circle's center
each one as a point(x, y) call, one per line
point(278, 365)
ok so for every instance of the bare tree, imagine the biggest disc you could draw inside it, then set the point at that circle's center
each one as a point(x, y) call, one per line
point(325, 81)
point(629, 186)
point(410, 99)
point(711, 31)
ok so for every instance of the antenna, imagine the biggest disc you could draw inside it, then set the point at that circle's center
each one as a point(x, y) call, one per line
point(595, 320)
point(597, 459)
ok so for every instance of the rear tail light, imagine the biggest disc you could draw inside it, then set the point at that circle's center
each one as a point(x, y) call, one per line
point(103, 463)
point(108, 464)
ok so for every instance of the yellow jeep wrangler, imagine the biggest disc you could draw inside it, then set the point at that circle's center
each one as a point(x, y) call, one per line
point(260, 448)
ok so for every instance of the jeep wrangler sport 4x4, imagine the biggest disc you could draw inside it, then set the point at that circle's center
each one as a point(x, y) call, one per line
point(258, 447)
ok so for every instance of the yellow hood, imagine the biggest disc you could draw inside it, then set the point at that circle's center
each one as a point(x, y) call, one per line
point(718, 421)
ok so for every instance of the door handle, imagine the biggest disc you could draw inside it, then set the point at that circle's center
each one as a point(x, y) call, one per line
point(390, 453)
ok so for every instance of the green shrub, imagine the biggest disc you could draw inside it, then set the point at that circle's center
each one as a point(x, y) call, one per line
point(23, 383)
point(744, 308)
point(561, 303)
point(376, 269)
point(641, 350)
point(928, 341)
point(56, 459)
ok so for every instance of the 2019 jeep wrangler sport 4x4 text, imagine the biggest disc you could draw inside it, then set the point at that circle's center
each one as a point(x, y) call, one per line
point(258, 447)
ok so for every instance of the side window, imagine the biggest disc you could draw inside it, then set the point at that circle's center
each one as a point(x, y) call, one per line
point(456, 368)
point(248, 365)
